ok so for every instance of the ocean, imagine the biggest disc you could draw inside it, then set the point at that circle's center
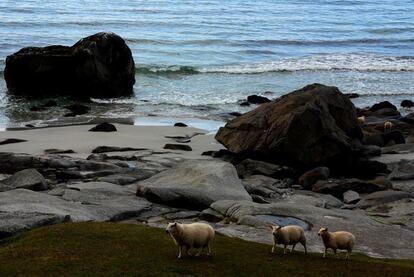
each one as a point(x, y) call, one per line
point(198, 59)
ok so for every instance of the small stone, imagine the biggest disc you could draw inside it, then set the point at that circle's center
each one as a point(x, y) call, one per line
point(351, 197)
point(103, 127)
point(180, 124)
point(11, 140)
point(181, 147)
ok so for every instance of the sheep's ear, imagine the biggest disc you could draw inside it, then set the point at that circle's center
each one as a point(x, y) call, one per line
point(279, 227)
point(175, 224)
point(271, 227)
point(326, 229)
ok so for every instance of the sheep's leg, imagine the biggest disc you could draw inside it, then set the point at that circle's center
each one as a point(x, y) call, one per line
point(293, 247)
point(200, 251)
point(304, 245)
point(273, 247)
point(188, 251)
point(348, 254)
point(179, 251)
point(284, 249)
point(324, 253)
point(209, 249)
point(336, 254)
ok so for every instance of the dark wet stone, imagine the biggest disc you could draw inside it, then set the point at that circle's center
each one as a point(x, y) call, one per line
point(352, 95)
point(182, 147)
point(99, 66)
point(382, 105)
point(256, 99)
point(105, 149)
point(103, 127)
point(180, 124)
point(59, 151)
point(407, 104)
point(11, 140)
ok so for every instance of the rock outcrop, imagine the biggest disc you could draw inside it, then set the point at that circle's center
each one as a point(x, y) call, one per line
point(99, 66)
point(313, 126)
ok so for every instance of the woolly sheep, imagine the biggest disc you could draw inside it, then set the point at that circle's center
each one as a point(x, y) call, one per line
point(361, 120)
point(337, 240)
point(197, 235)
point(288, 235)
point(387, 126)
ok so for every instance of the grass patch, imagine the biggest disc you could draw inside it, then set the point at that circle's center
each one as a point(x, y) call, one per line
point(113, 249)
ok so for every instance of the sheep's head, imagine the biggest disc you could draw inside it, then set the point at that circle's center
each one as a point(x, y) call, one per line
point(275, 228)
point(171, 228)
point(322, 231)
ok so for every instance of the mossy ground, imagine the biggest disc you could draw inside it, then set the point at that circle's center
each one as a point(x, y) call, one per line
point(114, 249)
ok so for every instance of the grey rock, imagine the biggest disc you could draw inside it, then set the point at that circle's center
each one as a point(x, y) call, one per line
point(398, 212)
point(12, 223)
point(194, 184)
point(338, 187)
point(118, 179)
point(264, 186)
point(351, 197)
point(250, 167)
point(27, 179)
point(404, 170)
point(309, 178)
point(381, 197)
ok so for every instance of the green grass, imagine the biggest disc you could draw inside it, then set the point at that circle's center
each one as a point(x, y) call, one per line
point(114, 249)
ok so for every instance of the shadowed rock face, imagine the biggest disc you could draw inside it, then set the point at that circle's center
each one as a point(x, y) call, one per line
point(98, 66)
point(313, 126)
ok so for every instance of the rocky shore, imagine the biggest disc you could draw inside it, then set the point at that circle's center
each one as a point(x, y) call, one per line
point(301, 159)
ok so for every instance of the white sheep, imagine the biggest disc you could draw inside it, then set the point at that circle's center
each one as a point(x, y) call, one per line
point(388, 126)
point(341, 240)
point(361, 120)
point(197, 235)
point(288, 235)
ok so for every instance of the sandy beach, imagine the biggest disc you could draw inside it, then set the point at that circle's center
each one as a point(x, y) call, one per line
point(82, 142)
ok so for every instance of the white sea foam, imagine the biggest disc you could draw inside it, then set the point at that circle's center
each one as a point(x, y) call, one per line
point(354, 62)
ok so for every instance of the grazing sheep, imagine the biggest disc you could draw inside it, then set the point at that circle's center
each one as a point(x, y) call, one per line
point(288, 235)
point(197, 235)
point(337, 240)
point(387, 126)
point(361, 120)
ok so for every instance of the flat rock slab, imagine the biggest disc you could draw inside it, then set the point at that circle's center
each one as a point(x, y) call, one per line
point(94, 201)
point(194, 184)
point(373, 237)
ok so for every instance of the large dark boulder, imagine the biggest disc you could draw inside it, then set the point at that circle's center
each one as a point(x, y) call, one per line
point(313, 126)
point(382, 105)
point(98, 66)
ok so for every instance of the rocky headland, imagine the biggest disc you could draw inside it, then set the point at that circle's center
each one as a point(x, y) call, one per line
point(303, 159)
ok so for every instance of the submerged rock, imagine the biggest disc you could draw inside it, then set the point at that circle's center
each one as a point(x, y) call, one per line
point(257, 99)
point(98, 66)
point(407, 104)
point(313, 126)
